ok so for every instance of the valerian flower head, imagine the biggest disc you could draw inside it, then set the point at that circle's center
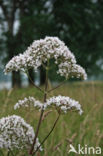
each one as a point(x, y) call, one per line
point(40, 51)
point(16, 133)
point(63, 104)
point(27, 102)
point(72, 70)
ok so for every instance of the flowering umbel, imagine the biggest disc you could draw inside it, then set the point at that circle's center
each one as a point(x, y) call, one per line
point(16, 133)
point(61, 103)
point(27, 102)
point(38, 54)
point(48, 48)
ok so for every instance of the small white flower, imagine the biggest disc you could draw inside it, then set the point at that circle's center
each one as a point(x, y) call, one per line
point(26, 102)
point(63, 103)
point(16, 133)
point(42, 50)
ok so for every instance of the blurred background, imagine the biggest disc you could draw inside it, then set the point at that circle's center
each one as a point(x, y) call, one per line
point(78, 23)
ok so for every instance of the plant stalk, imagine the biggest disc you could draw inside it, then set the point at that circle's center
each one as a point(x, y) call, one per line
point(48, 134)
point(34, 83)
point(56, 87)
point(41, 115)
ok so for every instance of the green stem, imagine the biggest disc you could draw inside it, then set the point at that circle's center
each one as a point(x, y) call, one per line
point(10, 151)
point(34, 83)
point(47, 135)
point(56, 86)
point(41, 115)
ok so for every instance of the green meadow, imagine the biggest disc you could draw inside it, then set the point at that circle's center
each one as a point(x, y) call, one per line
point(86, 129)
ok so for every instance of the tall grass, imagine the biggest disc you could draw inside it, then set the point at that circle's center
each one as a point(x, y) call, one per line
point(71, 128)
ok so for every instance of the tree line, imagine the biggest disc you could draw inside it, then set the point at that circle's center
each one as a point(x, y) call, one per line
point(78, 23)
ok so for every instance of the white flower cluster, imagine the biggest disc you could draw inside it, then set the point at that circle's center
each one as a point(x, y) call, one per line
point(72, 70)
point(40, 51)
point(60, 102)
point(64, 104)
point(16, 133)
point(26, 102)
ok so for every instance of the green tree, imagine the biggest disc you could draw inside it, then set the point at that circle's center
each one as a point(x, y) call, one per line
point(79, 24)
point(32, 17)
